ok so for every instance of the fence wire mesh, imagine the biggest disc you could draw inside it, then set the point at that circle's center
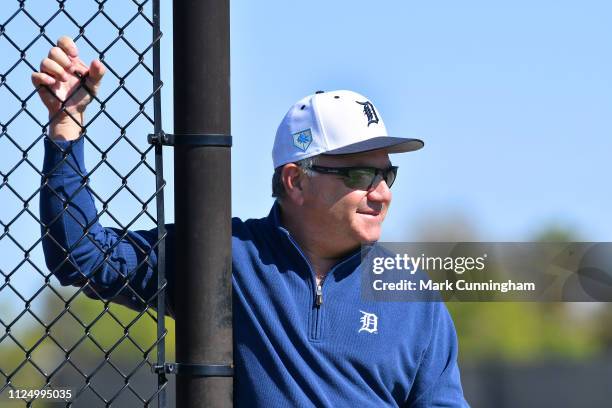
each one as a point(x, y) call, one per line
point(56, 337)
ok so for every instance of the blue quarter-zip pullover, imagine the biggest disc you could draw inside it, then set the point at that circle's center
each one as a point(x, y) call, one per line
point(296, 345)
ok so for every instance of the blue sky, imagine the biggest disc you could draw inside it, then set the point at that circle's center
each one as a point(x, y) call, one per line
point(512, 100)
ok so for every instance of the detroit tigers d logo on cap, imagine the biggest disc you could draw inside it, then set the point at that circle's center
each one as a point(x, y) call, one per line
point(369, 111)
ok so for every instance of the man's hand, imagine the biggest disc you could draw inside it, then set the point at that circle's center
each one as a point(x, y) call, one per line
point(59, 83)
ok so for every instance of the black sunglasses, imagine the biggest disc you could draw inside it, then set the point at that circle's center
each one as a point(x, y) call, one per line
point(360, 178)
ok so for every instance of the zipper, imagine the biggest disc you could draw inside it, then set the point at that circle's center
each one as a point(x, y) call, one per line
point(319, 294)
point(315, 327)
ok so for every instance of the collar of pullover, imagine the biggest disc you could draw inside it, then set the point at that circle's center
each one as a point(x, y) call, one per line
point(344, 267)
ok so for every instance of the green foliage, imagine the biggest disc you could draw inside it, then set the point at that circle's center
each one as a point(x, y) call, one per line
point(521, 331)
point(524, 331)
point(123, 335)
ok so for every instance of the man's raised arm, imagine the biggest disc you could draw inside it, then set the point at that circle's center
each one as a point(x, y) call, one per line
point(110, 264)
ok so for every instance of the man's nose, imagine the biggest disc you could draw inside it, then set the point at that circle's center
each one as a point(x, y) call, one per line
point(380, 191)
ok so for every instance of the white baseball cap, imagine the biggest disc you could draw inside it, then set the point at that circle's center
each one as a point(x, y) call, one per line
point(334, 122)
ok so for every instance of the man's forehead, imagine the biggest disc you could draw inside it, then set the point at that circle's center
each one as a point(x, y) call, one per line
point(371, 158)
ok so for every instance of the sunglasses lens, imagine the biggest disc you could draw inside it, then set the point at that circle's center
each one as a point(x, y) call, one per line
point(360, 179)
point(390, 176)
point(363, 179)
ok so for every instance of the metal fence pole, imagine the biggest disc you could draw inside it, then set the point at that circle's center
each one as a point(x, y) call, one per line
point(202, 198)
point(162, 381)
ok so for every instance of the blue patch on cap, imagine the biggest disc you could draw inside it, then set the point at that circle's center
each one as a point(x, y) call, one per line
point(302, 139)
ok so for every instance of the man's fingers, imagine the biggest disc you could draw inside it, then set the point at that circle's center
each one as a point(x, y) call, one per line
point(40, 78)
point(69, 47)
point(50, 67)
point(96, 71)
point(58, 55)
point(79, 67)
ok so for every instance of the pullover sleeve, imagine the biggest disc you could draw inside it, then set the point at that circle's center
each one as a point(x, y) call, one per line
point(438, 383)
point(110, 264)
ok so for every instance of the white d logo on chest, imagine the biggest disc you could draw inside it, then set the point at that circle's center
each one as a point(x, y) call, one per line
point(369, 322)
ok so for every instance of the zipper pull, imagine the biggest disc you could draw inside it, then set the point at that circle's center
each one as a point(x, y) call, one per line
point(319, 298)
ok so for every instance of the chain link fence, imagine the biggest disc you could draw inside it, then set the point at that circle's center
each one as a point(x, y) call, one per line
point(55, 337)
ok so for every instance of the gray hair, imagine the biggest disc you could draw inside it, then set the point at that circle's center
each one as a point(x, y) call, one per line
point(278, 188)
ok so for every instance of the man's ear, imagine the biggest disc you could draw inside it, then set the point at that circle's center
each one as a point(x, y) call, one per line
point(293, 178)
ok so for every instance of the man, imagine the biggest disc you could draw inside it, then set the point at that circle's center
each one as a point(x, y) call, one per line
point(303, 335)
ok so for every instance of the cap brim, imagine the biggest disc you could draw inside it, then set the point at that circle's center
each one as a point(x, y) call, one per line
point(390, 144)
